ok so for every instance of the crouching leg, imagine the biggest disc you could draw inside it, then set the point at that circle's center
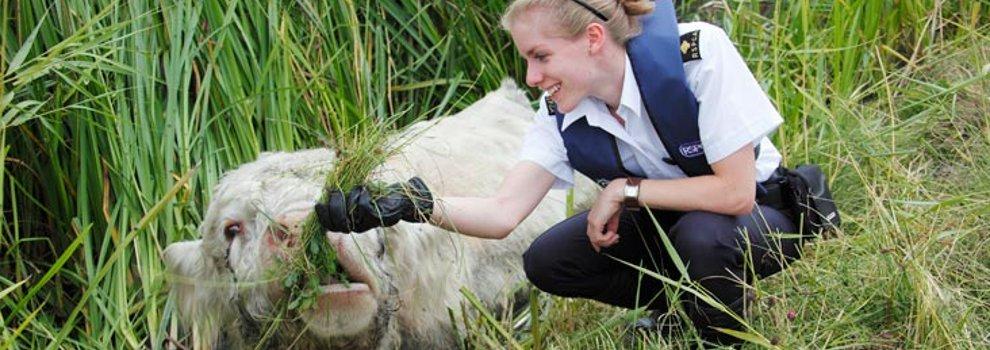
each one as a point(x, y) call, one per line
point(716, 249)
point(562, 262)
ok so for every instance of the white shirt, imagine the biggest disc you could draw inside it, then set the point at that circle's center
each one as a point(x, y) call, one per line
point(733, 111)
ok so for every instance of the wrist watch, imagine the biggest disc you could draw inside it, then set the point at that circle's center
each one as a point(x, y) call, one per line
point(630, 194)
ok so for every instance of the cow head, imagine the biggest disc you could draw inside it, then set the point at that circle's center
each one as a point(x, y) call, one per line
point(228, 283)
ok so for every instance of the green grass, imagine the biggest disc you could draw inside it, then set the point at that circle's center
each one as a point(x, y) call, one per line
point(118, 117)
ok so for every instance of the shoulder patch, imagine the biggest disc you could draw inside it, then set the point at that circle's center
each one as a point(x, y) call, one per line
point(690, 49)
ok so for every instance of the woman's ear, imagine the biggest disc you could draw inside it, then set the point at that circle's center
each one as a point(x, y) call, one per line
point(596, 36)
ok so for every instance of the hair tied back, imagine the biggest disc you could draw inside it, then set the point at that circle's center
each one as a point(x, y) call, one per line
point(637, 7)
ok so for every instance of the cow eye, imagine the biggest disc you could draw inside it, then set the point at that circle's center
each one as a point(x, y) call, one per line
point(232, 230)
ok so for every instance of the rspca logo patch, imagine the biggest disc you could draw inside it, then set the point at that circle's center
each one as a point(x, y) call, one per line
point(691, 149)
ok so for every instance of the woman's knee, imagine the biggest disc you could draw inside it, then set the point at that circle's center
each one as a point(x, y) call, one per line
point(702, 233)
point(536, 265)
point(707, 243)
point(542, 261)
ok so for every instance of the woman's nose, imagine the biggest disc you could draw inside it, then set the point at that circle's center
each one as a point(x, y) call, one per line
point(533, 76)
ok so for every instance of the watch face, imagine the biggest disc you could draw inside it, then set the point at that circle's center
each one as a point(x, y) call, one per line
point(631, 192)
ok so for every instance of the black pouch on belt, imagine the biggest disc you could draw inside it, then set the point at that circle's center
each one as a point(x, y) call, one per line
point(810, 200)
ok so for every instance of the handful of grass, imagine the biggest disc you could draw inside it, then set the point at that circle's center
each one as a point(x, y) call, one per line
point(362, 149)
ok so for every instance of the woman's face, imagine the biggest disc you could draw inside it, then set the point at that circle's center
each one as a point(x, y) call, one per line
point(558, 65)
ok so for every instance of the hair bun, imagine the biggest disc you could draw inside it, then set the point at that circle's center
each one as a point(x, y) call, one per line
point(637, 7)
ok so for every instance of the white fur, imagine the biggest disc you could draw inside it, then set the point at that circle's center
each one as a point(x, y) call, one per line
point(422, 270)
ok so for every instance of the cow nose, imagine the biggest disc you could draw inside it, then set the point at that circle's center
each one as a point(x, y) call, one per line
point(285, 231)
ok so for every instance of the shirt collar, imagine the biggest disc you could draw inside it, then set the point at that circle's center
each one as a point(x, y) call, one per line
point(630, 99)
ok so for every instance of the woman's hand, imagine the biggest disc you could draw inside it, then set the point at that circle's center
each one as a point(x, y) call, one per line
point(603, 219)
point(360, 210)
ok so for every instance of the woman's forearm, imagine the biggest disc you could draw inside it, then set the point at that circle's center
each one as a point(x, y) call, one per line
point(730, 191)
point(704, 193)
point(496, 216)
point(474, 216)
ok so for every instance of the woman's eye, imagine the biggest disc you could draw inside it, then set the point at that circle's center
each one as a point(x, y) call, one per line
point(541, 58)
point(232, 230)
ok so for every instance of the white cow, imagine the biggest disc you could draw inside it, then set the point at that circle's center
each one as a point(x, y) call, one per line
point(403, 278)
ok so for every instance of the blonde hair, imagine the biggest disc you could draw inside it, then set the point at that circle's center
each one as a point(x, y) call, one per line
point(572, 18)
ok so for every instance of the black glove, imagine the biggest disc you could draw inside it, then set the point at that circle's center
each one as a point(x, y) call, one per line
point(360, 210)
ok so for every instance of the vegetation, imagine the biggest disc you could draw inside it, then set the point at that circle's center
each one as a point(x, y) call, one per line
point(117, 117)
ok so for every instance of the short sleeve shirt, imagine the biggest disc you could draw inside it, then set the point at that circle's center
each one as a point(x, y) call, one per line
point(733, 112)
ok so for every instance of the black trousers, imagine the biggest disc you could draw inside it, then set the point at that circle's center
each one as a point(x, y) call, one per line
point(713, 247)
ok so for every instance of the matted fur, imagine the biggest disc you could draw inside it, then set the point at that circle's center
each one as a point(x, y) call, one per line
point(225, 290)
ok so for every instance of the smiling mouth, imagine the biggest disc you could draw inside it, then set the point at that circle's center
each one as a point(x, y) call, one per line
point(552, 91)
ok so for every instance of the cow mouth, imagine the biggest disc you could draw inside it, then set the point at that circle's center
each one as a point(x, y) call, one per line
point(349, 285)
point(346, 304)
point(354, 279)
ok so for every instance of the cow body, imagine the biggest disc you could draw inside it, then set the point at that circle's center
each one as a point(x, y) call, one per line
point(404, 278)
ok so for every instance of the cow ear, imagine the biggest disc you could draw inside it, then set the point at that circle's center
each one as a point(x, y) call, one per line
point(196, 290)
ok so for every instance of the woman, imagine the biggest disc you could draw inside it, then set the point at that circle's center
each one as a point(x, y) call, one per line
point(576, 52)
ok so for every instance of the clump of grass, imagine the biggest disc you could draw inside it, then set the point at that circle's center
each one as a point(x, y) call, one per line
point(358, 153)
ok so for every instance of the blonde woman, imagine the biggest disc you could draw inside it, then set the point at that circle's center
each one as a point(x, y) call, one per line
point(671, 121)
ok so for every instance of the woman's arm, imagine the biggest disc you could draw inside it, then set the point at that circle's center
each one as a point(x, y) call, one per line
point(496, 216)
point(730, 190)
